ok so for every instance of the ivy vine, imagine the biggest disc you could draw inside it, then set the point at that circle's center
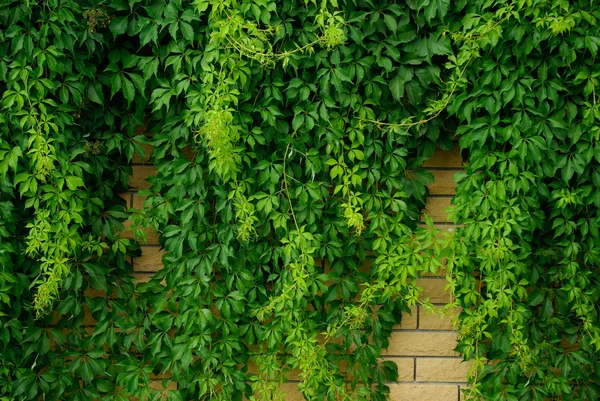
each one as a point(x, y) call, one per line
point(288, 139)
point(525, 258)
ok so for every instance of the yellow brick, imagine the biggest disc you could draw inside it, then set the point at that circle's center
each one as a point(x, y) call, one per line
point(409, 320)
point(291, 392)
point(444, 229)
point(406, 368)
point(450, 370)
point(137, 158)
point(140, 129)
point(145, 277)
point(92, 292)
point(433, 288)
point(441, 273)
point(141, 277)
point(127, 197)
point(189, 153)
point(442, 184)
point(88, 319)
point(422, 343)
point(445, 158)
point(157, 385)
point(138, 201)
point(465, 390)
point(150, 261)
point(423, 392)
point(139, 175)
point(435, 320)
point(436, 208)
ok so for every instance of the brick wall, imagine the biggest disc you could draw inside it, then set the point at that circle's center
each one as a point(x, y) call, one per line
point(422, 346)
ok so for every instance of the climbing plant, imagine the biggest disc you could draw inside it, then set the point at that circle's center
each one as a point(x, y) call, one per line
point(524, 261)
point(260, 197)
point(63, 159)
point(288, 139)
point(255, 112)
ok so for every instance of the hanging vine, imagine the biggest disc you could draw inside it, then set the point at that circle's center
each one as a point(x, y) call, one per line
point(288, 139)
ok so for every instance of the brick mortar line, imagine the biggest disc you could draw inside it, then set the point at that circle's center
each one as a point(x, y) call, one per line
point(441, 196)
point(145, 273)
point(414, 369)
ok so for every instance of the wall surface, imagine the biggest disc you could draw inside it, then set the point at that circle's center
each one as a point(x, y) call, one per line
point(422, 346)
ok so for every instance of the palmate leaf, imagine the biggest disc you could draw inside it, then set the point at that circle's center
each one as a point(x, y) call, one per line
point(118, 25)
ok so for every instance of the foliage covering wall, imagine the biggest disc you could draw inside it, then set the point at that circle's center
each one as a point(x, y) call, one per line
point(527, 257)
point(309, 124)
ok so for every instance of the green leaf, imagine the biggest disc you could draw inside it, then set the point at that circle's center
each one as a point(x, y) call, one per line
point(397, 87)
point(187, 31)
point(94, 93)
point(150, 68)
point(116, 83)
point(118, 25)
point(74, 182)
point(298, 121)
point(128, 90)
point(139, 82)
point(385, 62)
point(390, 21)
point(148, 34)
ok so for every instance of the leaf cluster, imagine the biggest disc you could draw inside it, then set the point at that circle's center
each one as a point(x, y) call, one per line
point(288, 139)
point(290, 226)
point(525, 260)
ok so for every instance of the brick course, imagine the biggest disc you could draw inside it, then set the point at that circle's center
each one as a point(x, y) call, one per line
point(441, 370)
point(424, 392)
